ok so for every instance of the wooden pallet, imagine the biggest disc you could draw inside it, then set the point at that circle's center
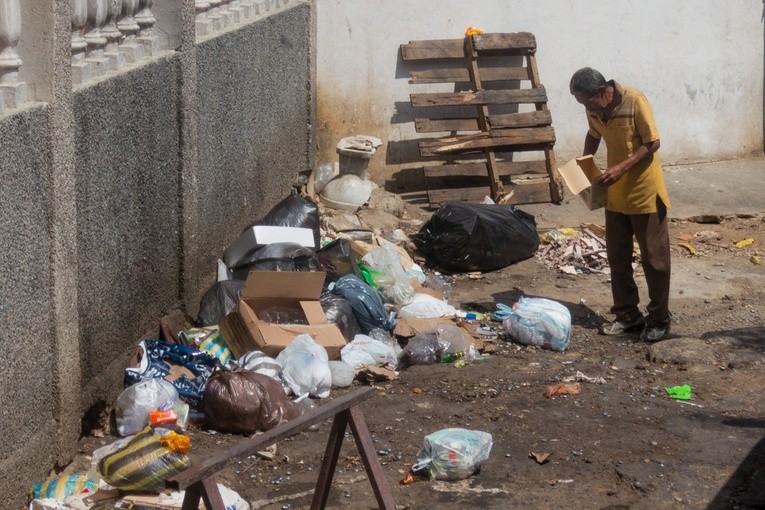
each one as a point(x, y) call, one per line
point(485, 124)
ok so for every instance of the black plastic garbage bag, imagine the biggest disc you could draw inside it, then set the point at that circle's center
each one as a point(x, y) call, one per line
point(277, 257)
point(339, 312)
point(367, 306)
point(337, 260)
point(477, 237)
point(219, 299)
point(293, 211)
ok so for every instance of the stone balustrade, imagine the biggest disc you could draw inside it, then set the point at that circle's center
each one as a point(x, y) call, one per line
point(217, 15)
point(12, 90)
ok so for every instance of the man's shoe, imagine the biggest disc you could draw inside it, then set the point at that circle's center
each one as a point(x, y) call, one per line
point(654, 333)
point(620, 327)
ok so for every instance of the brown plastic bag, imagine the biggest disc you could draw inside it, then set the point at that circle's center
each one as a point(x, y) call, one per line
point(245, 402)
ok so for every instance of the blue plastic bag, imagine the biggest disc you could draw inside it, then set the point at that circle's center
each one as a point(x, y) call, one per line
point(538, 321)
point(366, 304)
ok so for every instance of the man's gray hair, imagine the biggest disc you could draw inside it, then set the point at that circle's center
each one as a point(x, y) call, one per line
point(587, 81)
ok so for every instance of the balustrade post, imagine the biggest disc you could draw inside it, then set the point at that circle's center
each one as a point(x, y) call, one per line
point(96, 42)
point(146, 20)
point(12, 91)
point(81, 71)
point(213, 14)
point(202, 22)
point(227, 17)
point(130, 46)
point(113, 36)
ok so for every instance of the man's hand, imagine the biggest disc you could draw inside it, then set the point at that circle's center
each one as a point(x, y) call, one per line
point(611, 175)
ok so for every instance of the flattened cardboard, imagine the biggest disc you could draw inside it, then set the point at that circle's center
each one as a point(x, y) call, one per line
point(244, 331)
point(578, 175)
point(408, 327)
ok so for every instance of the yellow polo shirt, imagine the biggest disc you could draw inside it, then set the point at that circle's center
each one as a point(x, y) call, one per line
point(630, 126)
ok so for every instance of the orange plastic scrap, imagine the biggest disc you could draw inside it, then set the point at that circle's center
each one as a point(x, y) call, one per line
point(407, 479)
point(563, 389)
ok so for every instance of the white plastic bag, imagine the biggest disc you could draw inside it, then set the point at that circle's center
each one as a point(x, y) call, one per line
point(134, 403)
point(258, 362)
point(453, 454)
point(342, 373)
point(364, 350)
point(305, 367)
point(541, 322)
point(425, 306)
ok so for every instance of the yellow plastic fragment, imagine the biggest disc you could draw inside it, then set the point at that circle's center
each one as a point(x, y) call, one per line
point(176, 442)
point(756, 260)
point(471, 30)
point(744, 242)
point(688, 247)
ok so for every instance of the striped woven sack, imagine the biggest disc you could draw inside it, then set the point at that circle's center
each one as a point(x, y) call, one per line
point(143, 464)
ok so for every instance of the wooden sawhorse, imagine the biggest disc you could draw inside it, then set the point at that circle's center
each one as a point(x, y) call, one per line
point(199, 480)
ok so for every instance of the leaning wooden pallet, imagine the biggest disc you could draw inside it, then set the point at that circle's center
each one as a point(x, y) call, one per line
point(485, 124)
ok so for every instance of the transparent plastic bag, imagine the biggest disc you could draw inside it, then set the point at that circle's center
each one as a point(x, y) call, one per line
point(338, 311)
point(305, 367)
point(389, 275)
point(364, 350)
point(541, 322)
point(133, 405)
point(425, 306)
point(454, 453)
point(422, 349)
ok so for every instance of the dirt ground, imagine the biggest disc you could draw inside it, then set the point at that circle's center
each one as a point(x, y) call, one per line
point(622, 444)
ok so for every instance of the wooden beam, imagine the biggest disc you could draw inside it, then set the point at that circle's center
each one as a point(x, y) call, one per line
point(478, 169)
point(433, 49)
point(518, 43)
point(508, 139)
point(523, 193)
point(499, 121)
point(482, 97)
point(461, 75)
point(212, 465)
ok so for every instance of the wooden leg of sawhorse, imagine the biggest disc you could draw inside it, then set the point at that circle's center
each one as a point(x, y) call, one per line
point(366, 449)
point(207, 491)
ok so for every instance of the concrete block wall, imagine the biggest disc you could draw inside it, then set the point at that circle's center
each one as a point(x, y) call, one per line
point(120, 193)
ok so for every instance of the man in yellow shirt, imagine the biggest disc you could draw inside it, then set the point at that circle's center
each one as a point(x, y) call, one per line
point(637, 200)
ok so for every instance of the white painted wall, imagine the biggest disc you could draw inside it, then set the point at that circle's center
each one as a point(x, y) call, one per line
point(699, 62)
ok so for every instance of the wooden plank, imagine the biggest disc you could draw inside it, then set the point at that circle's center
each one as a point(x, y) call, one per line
point(478, 169)
point(433, 49)
point(518, 43)
point(515, 139)
point(212, 465)
point(499, 121)
point(520, 120)
point(461, 75)
point(483, 115)
point(523, 193)
point(481, 97)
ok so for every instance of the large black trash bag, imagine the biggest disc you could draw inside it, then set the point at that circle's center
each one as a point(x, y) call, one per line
point(337, 259)
point(477, 237)
point(277, 257)
point(293, 211)
point(219, 299)
point(367, 306)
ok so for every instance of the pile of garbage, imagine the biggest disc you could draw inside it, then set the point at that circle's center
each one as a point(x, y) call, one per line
point(304, 303)
point(575, 251)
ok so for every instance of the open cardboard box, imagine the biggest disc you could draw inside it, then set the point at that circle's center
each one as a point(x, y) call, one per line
point(578, 174)
point(297, 291)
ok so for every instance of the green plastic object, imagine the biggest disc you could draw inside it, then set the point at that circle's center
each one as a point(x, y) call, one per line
point(679, 392)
